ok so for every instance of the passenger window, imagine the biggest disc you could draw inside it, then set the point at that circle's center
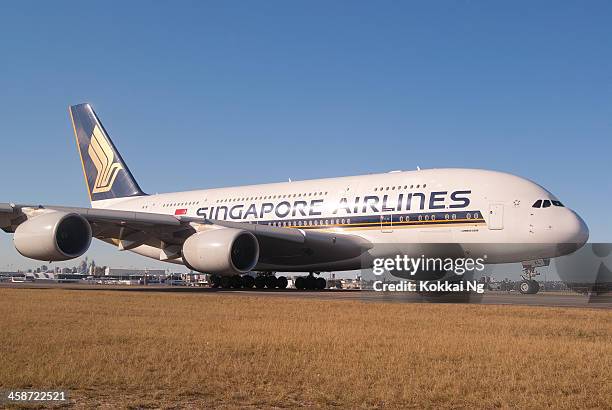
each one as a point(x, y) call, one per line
point(537, 204)
point(546, 203)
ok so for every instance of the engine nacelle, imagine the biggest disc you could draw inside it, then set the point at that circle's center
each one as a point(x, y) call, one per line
point(223, 251)
point(53, 236)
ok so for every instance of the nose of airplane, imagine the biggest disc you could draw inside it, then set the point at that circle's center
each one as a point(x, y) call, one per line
point(582, 234)
point(573, 233)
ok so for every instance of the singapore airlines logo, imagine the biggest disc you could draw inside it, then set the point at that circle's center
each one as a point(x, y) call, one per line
point(103, 158)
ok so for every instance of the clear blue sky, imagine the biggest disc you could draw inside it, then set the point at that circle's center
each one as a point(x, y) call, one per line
point(199, 94)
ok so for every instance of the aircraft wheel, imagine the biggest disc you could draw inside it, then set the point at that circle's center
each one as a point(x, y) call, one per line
point(529, 287)
point(226, 282)
point(236, 281)
point(321, 283)
point(215, 281)
point(300, 283)
point(311, 282)
point(282, 282)
point(248, 281)
point(271, 282)
point(260, 282)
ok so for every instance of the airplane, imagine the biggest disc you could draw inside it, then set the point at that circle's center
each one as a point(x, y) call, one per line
point(311, 226)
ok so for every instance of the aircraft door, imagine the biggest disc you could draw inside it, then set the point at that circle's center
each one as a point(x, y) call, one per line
point(386, 223)
point(496, 216)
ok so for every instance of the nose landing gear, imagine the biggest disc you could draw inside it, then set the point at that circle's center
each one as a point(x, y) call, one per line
point(528, 285)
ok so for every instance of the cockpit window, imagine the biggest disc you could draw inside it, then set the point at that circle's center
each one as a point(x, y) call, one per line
point(545, 203)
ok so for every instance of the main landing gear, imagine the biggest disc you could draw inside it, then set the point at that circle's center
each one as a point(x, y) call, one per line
point(310, 282)
point(261, 281)
point(265, 280)
point(528, 285)
point(269, 281)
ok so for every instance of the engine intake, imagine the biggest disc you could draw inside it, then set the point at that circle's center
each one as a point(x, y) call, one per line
point(223, 251)
point(53, 236)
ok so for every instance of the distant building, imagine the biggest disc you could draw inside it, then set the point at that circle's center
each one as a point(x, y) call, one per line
point(118, 272)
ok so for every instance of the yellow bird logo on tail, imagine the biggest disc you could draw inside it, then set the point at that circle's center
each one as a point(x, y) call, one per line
point(103, 158)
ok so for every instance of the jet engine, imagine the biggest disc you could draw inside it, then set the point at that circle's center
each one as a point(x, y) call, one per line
point(223, 251)
point(53, 236)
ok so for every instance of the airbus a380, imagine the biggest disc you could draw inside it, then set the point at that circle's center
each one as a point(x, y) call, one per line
point(309, 226)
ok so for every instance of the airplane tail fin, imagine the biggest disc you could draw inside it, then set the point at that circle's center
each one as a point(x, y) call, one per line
point(106, 174)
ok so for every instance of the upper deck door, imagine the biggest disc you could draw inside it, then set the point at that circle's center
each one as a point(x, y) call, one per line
point(496, 216)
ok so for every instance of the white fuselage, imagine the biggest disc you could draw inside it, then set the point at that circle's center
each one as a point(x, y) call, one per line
point(483, 211)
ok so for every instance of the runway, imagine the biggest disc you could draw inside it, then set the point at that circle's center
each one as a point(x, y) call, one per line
point(551, 299)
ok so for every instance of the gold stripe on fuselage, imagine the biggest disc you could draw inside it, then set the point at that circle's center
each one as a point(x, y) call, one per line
point(398, 224)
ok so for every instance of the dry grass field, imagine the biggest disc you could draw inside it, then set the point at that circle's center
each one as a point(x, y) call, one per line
point(149, 350)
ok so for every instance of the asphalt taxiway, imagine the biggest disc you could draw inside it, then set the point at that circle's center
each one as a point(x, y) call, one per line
point(554, 299)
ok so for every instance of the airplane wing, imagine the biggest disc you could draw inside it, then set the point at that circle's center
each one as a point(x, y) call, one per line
point(279, 247)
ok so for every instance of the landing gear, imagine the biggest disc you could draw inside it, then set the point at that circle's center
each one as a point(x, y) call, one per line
point(528, 285)
point(215, 281)
point(226, 282)
point(310, 282)
point(248, 281)
point(232, 282)
point(261, 281)
point(269, 281)
point(236, 282)
point(282, 282)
